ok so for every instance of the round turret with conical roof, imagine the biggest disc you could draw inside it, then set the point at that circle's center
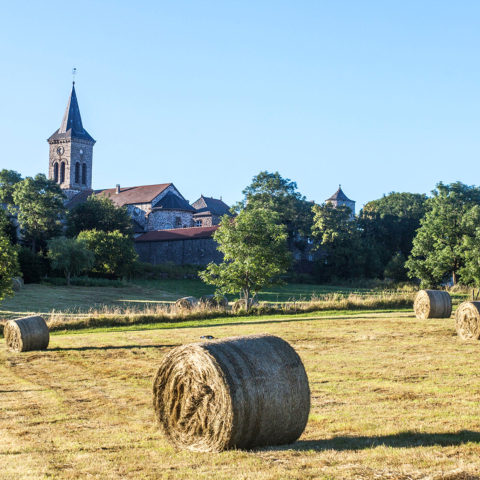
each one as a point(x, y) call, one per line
point(339, 198)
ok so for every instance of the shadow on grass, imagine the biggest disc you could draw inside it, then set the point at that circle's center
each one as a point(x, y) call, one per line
point(400, 440)
point(110, 347)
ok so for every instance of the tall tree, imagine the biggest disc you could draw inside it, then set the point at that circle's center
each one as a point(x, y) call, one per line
point(255, 252)
point(272, 191)
point(70, 255)
point(7, 227)
point(115, 254)
point(8, 267)
point(8, 180)
point(98, 213)
point(338, 237)
point(39, 207)
point(439, 247)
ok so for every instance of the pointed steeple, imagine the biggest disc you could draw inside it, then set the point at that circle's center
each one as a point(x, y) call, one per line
point(72, 118)
point(71, 126)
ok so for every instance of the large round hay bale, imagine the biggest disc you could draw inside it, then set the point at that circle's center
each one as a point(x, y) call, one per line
point(26, 334)
point(16, 285)
point(239, 304)
point(186, 303)
point(239, 392)
point(22, 282)
point(467, 320)
point(211, 301)
point(432, 304)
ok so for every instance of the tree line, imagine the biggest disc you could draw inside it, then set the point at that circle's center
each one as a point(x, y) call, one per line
point(400, 236)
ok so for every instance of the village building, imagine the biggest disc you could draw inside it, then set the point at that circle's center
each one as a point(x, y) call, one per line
point(167, 227)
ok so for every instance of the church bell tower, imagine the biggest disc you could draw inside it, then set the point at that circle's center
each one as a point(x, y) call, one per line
point(71, 152)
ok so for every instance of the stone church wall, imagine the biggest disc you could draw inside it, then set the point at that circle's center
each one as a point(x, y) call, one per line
point(200, 251)
point(168, 219)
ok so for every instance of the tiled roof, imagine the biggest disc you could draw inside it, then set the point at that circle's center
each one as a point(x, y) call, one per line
point(177, 234)
point(211, 206)
point(80, 198)
point(134, 195)
point(339, 195)
point(71, 126)
point(173, 202)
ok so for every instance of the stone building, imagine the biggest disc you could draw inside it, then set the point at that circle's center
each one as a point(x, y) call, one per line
point(339, 198)
point(71, 152)
point(209, 211)
point(152, 207)
point(180, 246)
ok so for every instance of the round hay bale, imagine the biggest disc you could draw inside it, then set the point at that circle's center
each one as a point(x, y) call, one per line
point(26, 334)
point(211, 301)
point(239, 304)
point(240, 392)
point(467, 320)
point(432, 304)
point(186, 303)
point(22, 282)
point(17, 286)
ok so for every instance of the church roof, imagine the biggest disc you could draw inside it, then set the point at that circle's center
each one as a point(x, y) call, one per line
point(177, 234)
point(133, 195)
point(71, 126)
point(173, 202)
point(339, 195)
point(210, 206)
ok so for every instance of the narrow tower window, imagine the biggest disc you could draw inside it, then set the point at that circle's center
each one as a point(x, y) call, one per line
point(55, 173)
point(84, 174)
point(62, 172)
point(77, 173)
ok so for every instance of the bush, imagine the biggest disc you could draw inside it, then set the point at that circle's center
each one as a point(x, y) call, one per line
point(33, 266)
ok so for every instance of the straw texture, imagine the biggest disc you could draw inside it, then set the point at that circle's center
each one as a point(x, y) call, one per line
point(467, 320)
point(432, 304)
point(186, 303)
point(239, 304)
point(240, 392)
point(211, 301)
point(26, 334)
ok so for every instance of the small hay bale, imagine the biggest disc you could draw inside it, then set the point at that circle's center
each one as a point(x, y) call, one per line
point(467, 320)
point(186, 303)
point(239, 304)
point(211, 301)
point(16, 284)
point(26, 334)
point(240, 392)
point(432, 304)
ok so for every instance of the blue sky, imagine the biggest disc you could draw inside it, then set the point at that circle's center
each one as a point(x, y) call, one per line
point(378, 96)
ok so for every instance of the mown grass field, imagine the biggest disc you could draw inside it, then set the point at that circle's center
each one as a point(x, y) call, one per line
point(392, 397)
point(45, 299)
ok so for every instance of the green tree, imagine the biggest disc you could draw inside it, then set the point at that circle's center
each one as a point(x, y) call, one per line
point(8, 267)
point(7, 227)
point(8, 180)
point(70, 255)
point(439, 247)
point(39, 207)
point(272, 191)
point(98, 213)
point(115, 254)
point(338, 237)
point(470, 272)
point(255, 251)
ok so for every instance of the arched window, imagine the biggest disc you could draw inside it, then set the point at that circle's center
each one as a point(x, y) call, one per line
point(62, 172)
point(55, 173)
point(84, 174)
point(77, 173)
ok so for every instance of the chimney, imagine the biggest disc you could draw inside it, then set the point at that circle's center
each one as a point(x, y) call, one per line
point(117, 189)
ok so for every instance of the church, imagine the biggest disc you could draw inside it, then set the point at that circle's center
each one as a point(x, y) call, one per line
point(167, 227)
point(152, 207)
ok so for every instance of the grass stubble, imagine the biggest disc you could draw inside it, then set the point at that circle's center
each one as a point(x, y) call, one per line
point(392, 397)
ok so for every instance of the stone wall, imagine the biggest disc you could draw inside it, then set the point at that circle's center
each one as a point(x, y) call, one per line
point(207, 221)
point(200, 251)
point(168, 219)
point(68, 152)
